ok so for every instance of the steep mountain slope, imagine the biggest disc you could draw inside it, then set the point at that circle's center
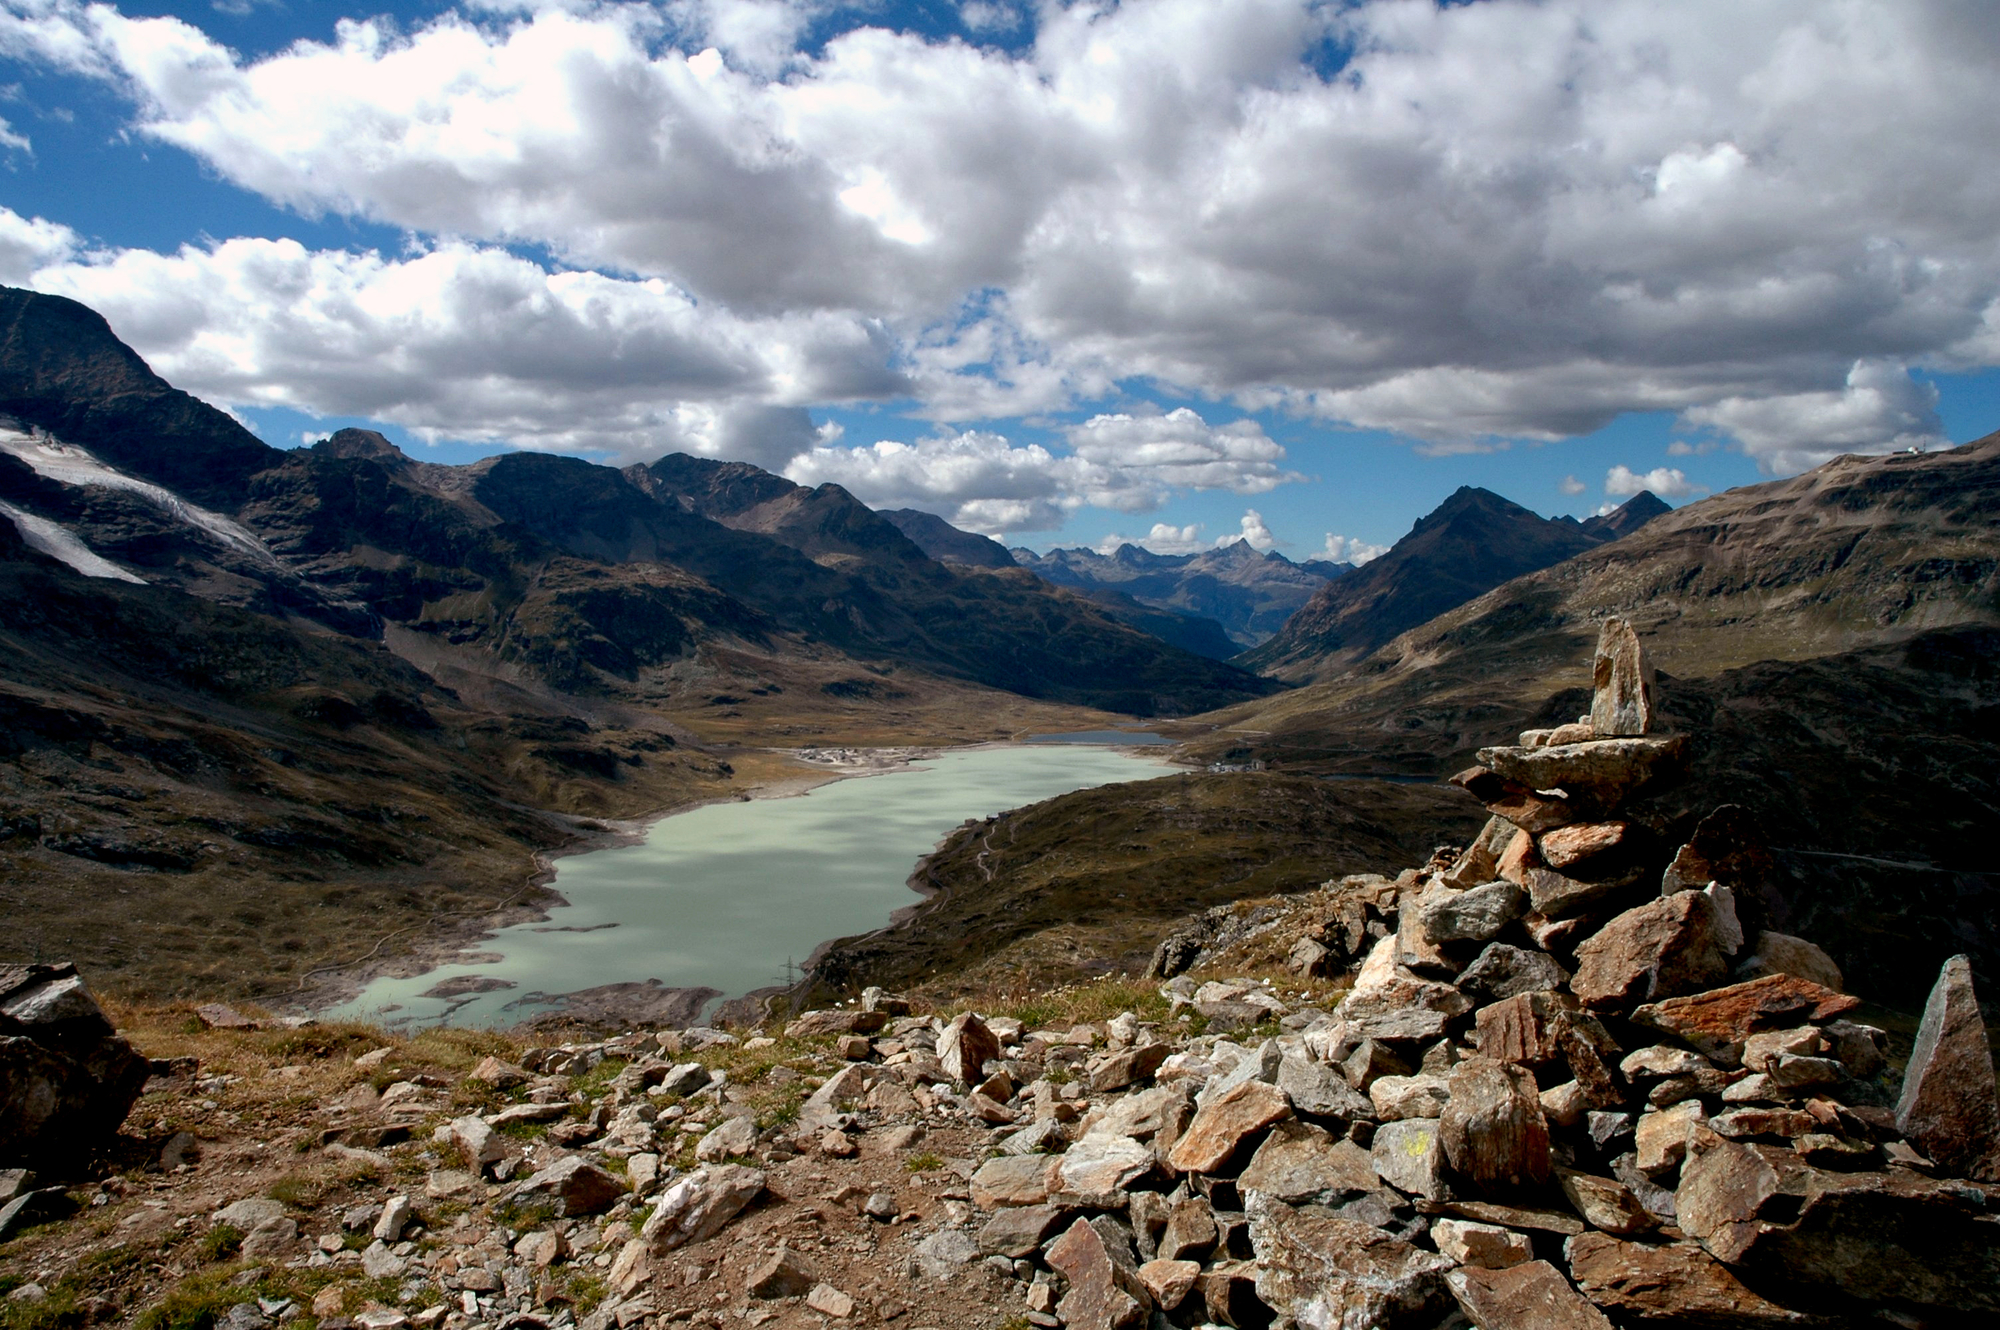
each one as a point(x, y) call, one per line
point(1470, 543)
point(1251, 594)
point(62, 369)
point(690, 553)
point(945, 542)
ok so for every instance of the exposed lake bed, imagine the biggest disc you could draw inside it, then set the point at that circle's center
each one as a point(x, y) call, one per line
point(728, 897)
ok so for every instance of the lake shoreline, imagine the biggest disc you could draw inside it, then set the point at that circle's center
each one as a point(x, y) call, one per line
point(449, 943)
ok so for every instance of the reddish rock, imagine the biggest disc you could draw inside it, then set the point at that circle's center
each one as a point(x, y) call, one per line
point(1661, 949)
point(1190, 1233)
point(1593, 1057)
point(1719, 1022)
point(1606, 1203)
point(1103, 1295)
point(1948, 1107)
point(1533, 1296)
point(1493, 1130)
point(1567, 847)
point(1675, 1284)
point(1222, 1127)
point(1481, 858)
point(1526, 1028)
point(1300, 1163)
point(1328, 1273)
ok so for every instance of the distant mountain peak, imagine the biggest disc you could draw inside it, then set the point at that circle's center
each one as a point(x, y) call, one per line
point(360, 443)
point(1627, 517)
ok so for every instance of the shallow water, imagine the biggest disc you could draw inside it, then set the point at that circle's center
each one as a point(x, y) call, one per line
point(723, 896)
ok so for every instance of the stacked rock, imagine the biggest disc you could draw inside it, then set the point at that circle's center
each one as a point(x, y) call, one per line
point(1565, 1089)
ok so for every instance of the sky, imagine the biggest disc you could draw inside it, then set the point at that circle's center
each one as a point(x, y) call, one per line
point(1175, 271)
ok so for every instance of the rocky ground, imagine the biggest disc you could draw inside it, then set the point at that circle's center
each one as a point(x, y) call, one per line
point(1561, 1078)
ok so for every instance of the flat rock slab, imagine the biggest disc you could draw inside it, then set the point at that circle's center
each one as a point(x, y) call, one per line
point(1014, 1180)
point(1533, 1296)
point(1949, 1108)
point(1606, 769)
point(1298, 1163)
point(1718, 1023)
point(698, 1206)
point(1222, 1127)
point(1671, 1284)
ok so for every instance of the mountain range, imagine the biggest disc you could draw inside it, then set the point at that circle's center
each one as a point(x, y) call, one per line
point(1471, 543)
point(1249, 592)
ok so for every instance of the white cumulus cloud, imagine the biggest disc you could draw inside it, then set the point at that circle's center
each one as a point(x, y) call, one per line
point(1164, 538)
point(1347, 549)
point(1665, 482)
point(1515, 219)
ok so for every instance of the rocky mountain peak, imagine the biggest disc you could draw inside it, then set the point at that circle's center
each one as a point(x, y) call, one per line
point(361, 443)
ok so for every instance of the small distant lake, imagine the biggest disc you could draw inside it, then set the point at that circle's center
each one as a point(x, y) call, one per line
point(722, 896)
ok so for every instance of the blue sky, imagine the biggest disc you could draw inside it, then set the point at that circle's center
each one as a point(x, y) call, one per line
point(1162, 270)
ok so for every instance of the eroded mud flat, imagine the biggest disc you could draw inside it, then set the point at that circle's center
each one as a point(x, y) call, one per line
point(721, 897)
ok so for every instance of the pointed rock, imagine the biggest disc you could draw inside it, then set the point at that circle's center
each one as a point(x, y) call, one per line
point(1103, 1295)
point(1948, 1108)
point(965, 1047)
point(1718, 1023)
point(1623, 682)
point(1222, 1126)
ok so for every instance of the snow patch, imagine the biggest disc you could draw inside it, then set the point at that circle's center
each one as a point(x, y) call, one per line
point(46, 537)
point(70, 465)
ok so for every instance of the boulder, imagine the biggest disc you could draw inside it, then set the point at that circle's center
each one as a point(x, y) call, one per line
point(1128, 1067)
point(1018, 1231)
point(1382, 986)
point(1605, 1203)
point(1016, 1180)
point(1728, 846)
point(1780, 953)
point(1502, 971)
point(1398, 1097)
point(733, 1139)
point(1301, 1164)
point(817, 1024)
point(1670, 1284)
point(1409, 1156)
point(1526, 1028)
point(1476, 914)
point(1567, 847)
point(1103, 1294)
point(1329, 1273)
point(1493, 1130)
point(698, 1206)
point(1482, 857)
point(1664, 948)
point(945, 1253)
point(1222, 1126)
point(1605, 771)
point(1320, 1089)
point(67, 1078)
point(1530, 1296)
point(965, 1047)
point(574, 1186)
point(1622, 683)
point(1169, 1282)
point(1948, 1107)
point(1102, 1163)
point(1718, 1023)
point(1190, 1233)
point(782, 1274)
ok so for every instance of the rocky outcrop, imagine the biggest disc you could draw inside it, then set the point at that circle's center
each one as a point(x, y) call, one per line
point(67, 1079)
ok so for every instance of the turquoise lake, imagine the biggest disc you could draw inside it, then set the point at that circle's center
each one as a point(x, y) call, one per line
point(723, 896)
